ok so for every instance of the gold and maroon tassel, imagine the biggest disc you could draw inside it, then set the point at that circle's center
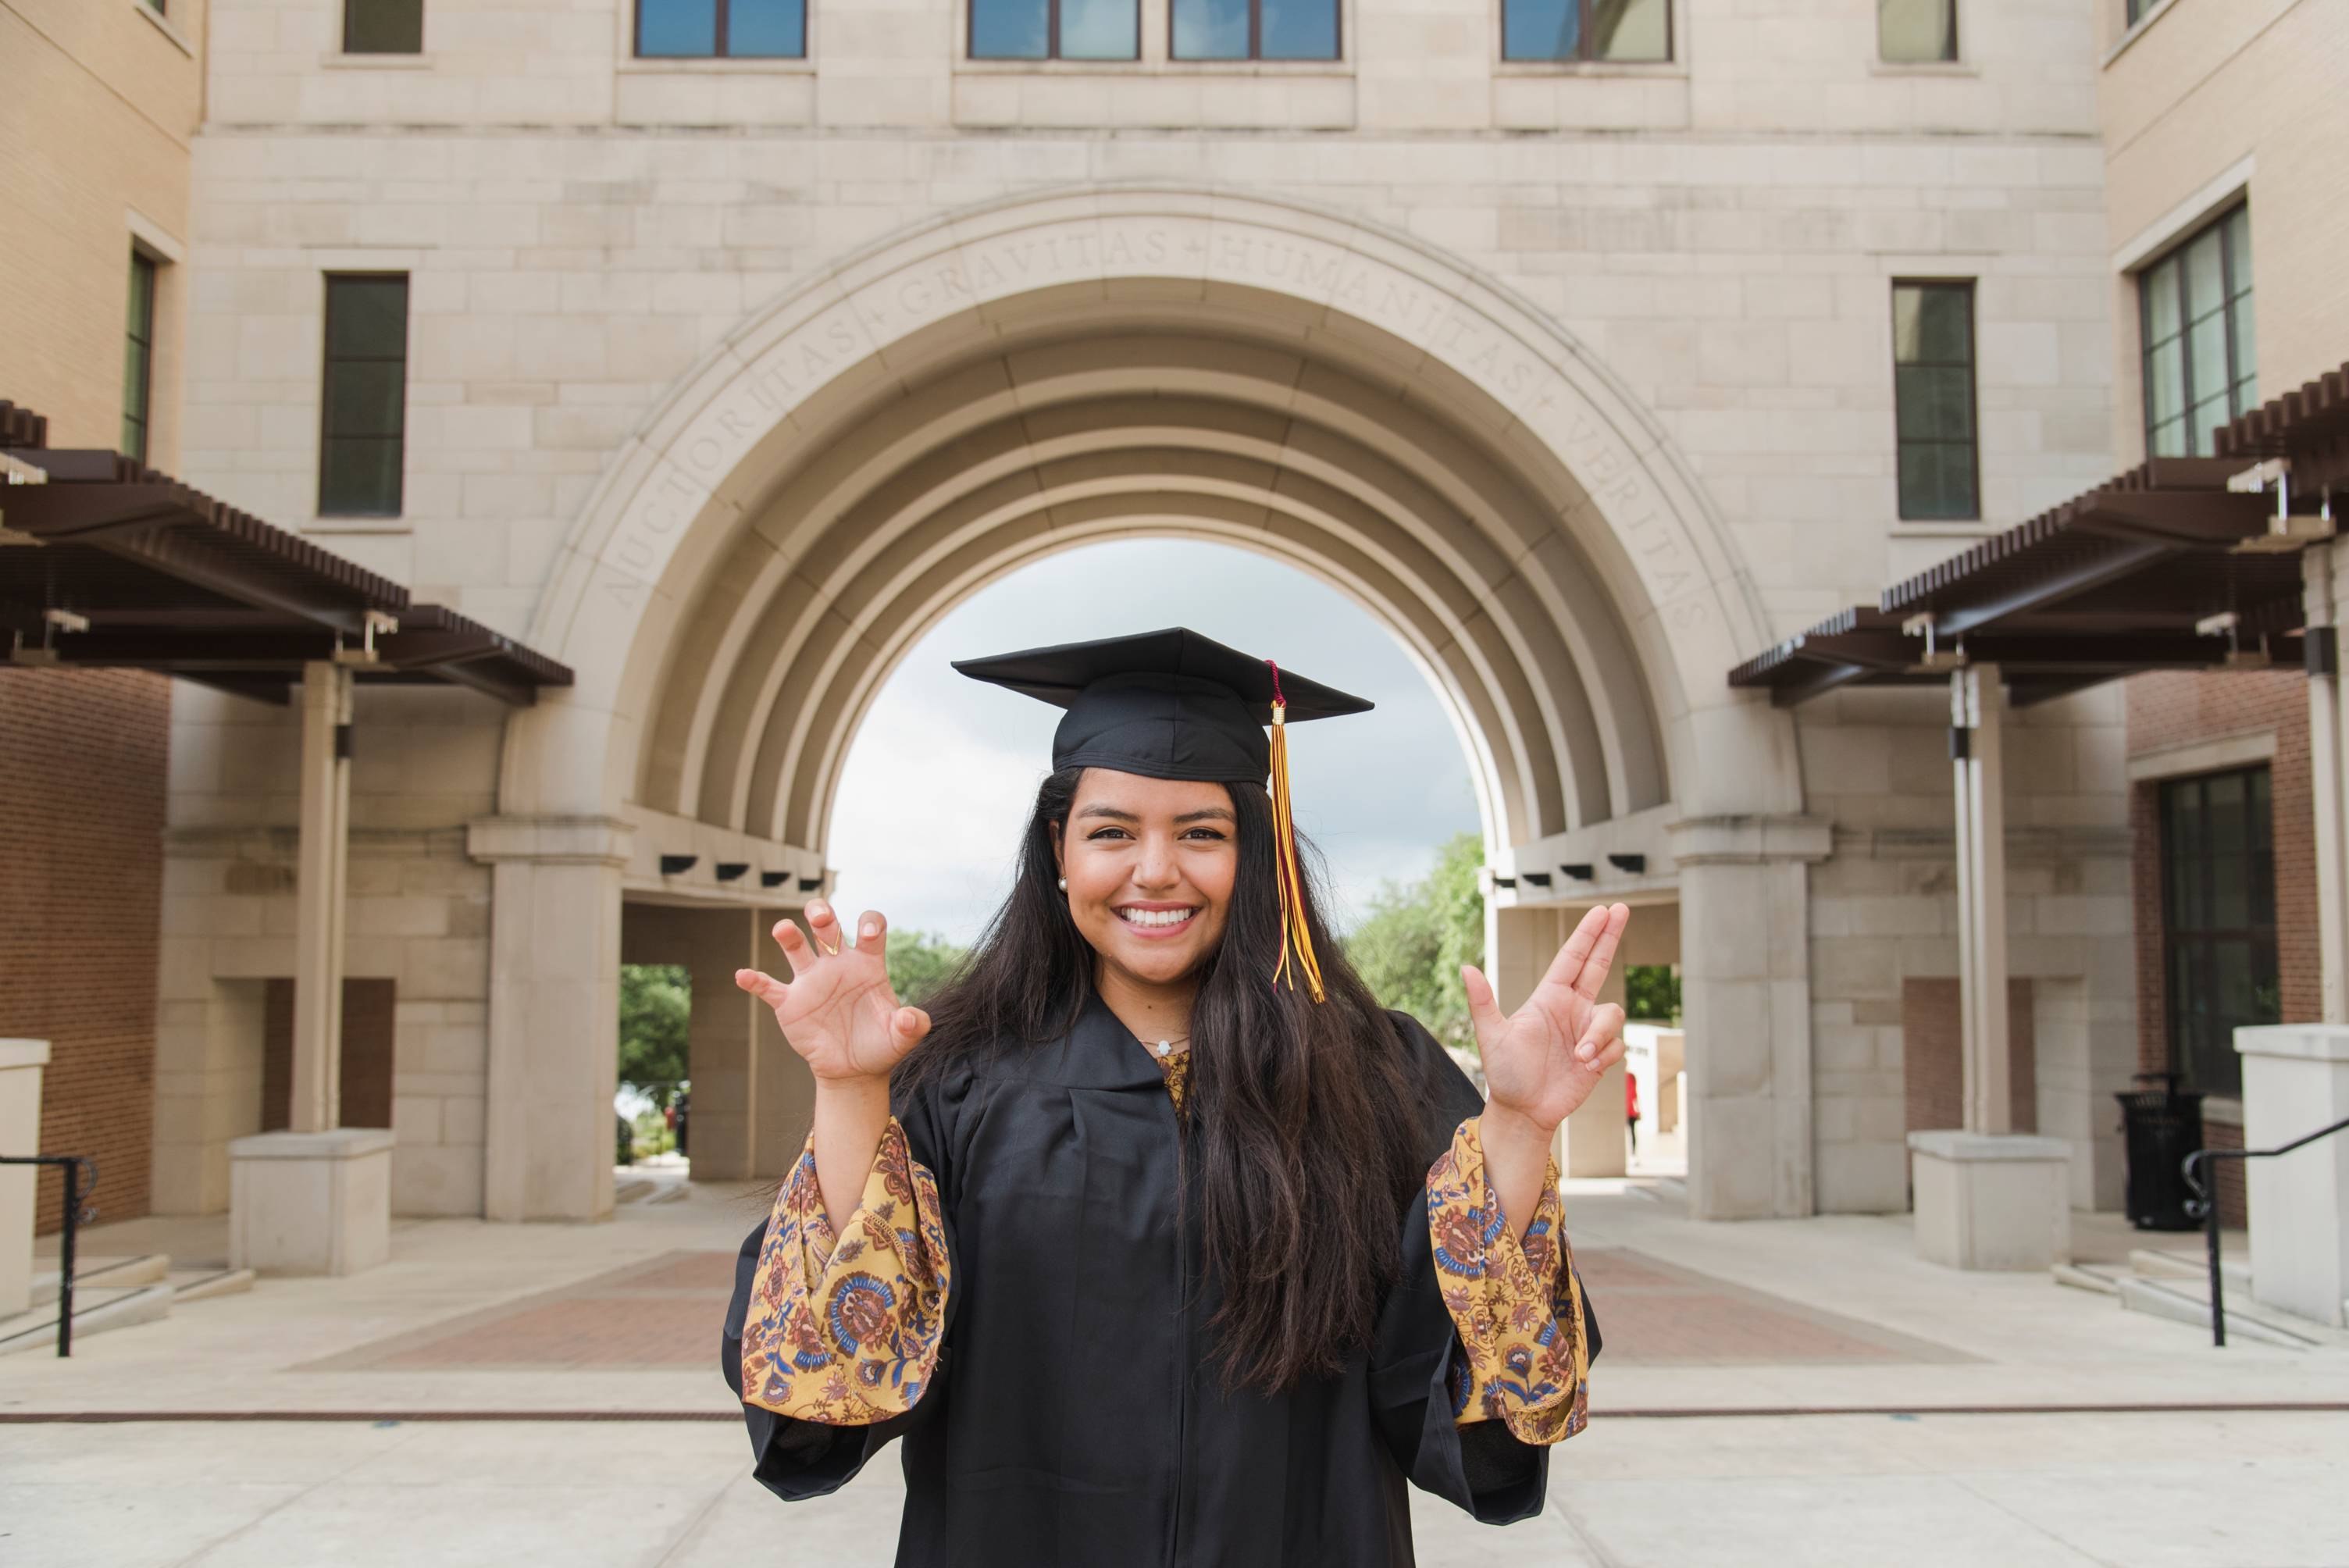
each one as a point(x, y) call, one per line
point(1295, 940)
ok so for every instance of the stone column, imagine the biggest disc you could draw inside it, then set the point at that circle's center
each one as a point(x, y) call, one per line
point(320, 897)
point(1986, 1197)
point(1746, 1000)
point(554, 1006)
point(2295, 1081)
point(21, 1062)
point(1977, 714)
point(315, 1199)
point(783, 1090)
point(1596, 1142)
point(2325, 569)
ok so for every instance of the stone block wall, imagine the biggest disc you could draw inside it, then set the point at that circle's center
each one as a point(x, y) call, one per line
point(425, 764)
point(1883, 917)
point(1729, 257)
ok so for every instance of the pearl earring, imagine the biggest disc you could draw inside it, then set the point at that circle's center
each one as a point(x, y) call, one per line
point(1064, 884)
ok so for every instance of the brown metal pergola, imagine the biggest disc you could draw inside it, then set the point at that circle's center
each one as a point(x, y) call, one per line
point(2179, 563)
point(108, 564)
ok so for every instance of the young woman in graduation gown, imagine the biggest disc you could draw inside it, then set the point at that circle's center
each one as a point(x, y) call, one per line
point(1155, 1241)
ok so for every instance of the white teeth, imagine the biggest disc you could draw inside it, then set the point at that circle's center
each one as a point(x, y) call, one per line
point(1154, 916)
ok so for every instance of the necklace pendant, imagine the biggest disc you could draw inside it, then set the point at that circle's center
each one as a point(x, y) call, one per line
point(1162, 1047)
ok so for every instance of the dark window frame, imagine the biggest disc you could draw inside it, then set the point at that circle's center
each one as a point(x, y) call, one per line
point(145, 276)
point(327, 360)
point(2200, 944)
point(1585, 40)
point(1256, 56)
point(1052, 38)
point(1957, 46)
point(1974, 400)
point(2237, 404)
point(350, 6)
point(720, 39)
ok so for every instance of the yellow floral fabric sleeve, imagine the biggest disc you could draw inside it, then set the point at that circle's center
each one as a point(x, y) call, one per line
point(846, 1333)
point(1517, 1304)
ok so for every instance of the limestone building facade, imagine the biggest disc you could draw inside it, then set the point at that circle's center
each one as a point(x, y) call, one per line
point(2220, 125)
point(100, 109)
point(720, 378)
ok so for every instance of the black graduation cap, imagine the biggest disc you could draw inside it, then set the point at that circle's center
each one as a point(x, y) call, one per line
point(1172, 704)
point(1169, 704)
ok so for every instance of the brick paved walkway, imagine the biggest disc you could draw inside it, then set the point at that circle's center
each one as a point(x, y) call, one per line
point(664, 1313)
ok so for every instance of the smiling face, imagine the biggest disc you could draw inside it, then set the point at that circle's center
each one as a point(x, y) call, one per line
point(1150, 863)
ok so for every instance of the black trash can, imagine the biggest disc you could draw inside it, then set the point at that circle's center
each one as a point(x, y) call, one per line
point(2161, 1127)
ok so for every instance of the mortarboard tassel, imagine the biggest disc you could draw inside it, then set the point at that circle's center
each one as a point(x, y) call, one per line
point(1296, 941)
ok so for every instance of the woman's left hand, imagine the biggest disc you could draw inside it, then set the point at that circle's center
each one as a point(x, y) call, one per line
point(1544, 1060)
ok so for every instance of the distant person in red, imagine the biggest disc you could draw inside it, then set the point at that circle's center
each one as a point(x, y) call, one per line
point(1631, 1110)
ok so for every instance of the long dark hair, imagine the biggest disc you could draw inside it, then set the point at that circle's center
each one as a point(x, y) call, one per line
point(1309, 1139)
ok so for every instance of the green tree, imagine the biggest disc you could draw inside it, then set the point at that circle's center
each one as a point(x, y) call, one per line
point(1410, 948)
point(655, 1008)
point(1653, 992)
point(920, 962)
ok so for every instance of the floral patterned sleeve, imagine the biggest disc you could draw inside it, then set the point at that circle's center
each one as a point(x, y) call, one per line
point(1517, 1304)
point(846, 1333)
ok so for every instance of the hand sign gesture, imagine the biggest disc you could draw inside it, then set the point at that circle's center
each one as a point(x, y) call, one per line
point(839, 1011)
point(1544, 1060)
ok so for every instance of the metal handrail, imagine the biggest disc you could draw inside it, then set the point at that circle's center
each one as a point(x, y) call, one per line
point(2204, 1206)
point(77, 1167)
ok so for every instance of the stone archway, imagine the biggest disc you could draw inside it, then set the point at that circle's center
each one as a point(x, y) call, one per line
point(938, 408)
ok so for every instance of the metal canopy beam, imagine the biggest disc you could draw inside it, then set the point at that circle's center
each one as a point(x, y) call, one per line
point(166, 578)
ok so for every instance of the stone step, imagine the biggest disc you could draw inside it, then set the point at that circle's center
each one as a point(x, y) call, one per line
point(2187, 1301)
point(2101, 1278)
point(203, 1284)
point(94, 1272)
point(2155, 1264)
point(96, 1309)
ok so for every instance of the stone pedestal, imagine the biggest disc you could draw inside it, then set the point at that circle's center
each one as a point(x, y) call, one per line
point(310, 1203)
point(1991, 1201)
point(1595, 1140)
point(2295, 1081)
point(21, 1062)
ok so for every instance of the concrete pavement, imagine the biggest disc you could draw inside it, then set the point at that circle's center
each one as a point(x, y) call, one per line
point(601, 1323)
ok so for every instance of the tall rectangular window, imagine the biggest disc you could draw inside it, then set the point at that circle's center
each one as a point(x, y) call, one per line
point(363, 432)
point(2202, 356)
point(139, 357)
point(1916, 31)
point(2217, 922)
point(1933, 400)
point(721, 29)
point(1253, 30)
point(1627, 30)
point(383, 26)
point(1055, 29)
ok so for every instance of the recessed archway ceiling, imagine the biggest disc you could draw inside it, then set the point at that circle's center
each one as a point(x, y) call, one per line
point(1231, 423)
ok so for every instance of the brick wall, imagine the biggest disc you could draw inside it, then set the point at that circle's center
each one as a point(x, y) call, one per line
point(80, 902)
point(2179, 710)
point(1933, 1072)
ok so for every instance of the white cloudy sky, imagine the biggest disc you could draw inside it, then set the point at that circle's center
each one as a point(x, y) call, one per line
point(944, 768)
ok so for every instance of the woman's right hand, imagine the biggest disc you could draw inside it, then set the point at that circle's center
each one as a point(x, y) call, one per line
point(838, 1010)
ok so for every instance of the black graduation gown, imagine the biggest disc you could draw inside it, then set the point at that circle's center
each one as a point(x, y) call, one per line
point(1076, 1416)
